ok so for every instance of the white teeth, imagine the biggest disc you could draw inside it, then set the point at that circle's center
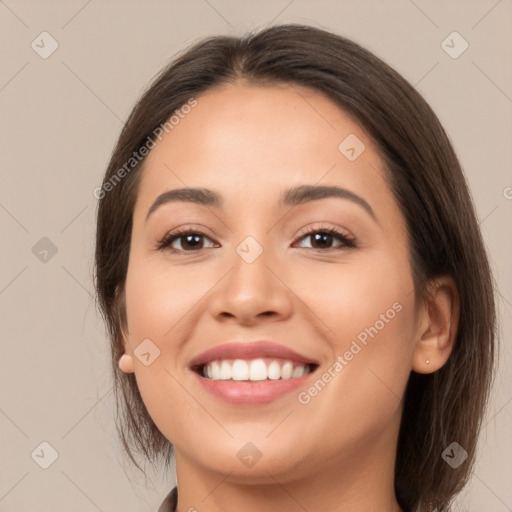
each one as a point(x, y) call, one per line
point(274, 370)
point(215, 371)
point(225, 370)
point(240, 370)
point(254, 370)
point(258, 370)
point(298, 371)
point(287, 370)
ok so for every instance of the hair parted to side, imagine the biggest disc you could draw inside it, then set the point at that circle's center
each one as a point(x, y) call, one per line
point(428, 184)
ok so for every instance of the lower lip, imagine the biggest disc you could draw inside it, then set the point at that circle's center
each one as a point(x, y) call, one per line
point(251, 393)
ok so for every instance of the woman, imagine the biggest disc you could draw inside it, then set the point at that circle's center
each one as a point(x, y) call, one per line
point(298, 297)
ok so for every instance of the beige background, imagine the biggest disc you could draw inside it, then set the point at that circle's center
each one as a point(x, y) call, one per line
point(60, 117)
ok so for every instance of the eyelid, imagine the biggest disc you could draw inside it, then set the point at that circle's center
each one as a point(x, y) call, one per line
point(346, 238)
point(175, 234)
point(323, 227)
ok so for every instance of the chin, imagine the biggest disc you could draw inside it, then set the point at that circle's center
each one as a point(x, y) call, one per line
point(253, 462)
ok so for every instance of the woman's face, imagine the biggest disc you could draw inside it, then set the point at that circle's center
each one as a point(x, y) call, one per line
point(262, 266)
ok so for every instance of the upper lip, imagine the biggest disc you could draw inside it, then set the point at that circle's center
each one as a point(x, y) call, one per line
point(249, 350)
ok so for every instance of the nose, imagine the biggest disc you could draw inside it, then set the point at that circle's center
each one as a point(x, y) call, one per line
point(252, 292)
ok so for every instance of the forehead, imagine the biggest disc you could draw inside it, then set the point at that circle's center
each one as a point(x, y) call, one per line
point(251, 142)
point(269, 120)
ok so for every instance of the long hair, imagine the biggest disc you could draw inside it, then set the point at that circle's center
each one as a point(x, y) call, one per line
point(426, 179)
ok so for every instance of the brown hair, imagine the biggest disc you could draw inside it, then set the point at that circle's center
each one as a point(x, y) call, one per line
point(427, 181)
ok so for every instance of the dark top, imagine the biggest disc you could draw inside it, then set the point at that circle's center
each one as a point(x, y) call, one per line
point(170, 502)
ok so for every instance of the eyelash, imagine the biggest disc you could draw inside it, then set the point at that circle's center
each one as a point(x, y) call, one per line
point(168, 239)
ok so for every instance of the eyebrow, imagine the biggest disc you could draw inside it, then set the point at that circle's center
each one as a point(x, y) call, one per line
point(293, 196)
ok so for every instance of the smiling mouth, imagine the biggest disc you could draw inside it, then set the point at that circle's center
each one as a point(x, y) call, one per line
point(254, 370)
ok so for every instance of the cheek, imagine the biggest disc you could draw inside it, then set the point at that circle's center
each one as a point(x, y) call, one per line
point(367, 315)
point(160, 302)
point(347, 298)
point(157, 297)
point(361, 389)
point(366, 310)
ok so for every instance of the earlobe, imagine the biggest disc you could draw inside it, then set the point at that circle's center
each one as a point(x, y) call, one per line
point(126, 363)
point(437, 331)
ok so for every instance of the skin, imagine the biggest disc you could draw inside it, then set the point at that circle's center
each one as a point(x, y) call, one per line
point(249, 143)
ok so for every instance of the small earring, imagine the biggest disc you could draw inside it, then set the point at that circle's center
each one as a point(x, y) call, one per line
point(126, 363)
point(428, 361)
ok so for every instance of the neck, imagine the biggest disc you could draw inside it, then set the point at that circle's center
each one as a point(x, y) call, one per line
point(359, 481)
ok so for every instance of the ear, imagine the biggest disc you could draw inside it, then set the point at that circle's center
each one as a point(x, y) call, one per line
point(125, 362)
point(438, 321)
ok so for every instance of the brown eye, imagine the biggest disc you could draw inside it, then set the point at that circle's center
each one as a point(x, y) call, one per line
point(193, 241)
point(189, 240)
point(324, 239)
